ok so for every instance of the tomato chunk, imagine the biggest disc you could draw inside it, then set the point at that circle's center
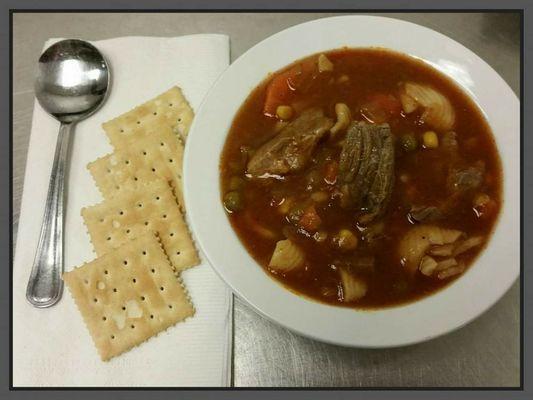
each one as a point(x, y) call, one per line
point(310, 219)
point(381, 107)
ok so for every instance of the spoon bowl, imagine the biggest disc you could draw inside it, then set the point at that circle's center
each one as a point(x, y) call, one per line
point(72, 83)
point(72, 80)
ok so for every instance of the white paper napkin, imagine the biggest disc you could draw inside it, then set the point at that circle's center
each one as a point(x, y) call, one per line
point(52, 347)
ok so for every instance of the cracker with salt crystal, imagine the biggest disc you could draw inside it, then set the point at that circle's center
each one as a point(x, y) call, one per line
point(168, 109)
point(137, 212)
point(128, 295)
point(157, 154)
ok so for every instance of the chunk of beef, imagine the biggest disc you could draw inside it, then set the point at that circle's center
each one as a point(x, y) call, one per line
point(366, 169)
point(291, 149)
point(464, 180)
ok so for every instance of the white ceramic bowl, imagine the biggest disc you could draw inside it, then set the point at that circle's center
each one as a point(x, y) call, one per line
point(480, 287)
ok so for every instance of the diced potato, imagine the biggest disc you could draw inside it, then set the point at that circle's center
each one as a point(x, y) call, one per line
point(286, 257)
point(344, 117)
point(345, 240)
point(324, 64)
point(284, 112)
point(431, 140)
point(427, 265)
point(353, 287)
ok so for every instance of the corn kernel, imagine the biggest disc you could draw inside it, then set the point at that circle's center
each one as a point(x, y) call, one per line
point(284, 112)
point(431, 140)
point(346, 240)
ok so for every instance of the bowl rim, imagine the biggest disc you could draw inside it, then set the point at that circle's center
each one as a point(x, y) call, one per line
point(208, 235)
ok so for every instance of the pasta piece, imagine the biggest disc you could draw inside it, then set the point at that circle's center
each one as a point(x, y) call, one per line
point(445, 264)
point(409, 104)
point(415, 244)
point(438, 111)
point(353, 287)
point(442, 251)
point(419, 239)
point(452, 271)
point(344, 117)
point(468, 244)
point(428, 265)
point(451, 235)
point(286, 257)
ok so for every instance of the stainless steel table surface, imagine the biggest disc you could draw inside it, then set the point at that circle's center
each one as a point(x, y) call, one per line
point(483, 353)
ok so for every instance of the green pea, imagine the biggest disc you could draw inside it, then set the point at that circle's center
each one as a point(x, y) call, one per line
point(295, 214)
point(233, 201)
point(408, 142)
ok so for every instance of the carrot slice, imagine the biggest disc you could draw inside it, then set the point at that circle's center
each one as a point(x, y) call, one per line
point(310, 219)
point(280, 90)
point(387, 103)
point(380, 107)
point(284, 85)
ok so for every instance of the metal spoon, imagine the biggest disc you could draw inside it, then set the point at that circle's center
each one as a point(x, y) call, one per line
point(72, 82)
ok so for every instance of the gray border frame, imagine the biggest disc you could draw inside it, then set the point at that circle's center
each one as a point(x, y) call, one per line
point(264, 6)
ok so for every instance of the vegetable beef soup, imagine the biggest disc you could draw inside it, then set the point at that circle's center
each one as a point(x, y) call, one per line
point(361, 178)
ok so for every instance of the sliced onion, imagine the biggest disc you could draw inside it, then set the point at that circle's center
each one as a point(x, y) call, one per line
point(286, 257)
point(438, 113)
point(416, 242)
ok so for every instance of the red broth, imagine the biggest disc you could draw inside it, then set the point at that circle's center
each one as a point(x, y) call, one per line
point(359, 77)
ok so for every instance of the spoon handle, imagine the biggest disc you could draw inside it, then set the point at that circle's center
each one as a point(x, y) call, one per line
point(45, 285)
